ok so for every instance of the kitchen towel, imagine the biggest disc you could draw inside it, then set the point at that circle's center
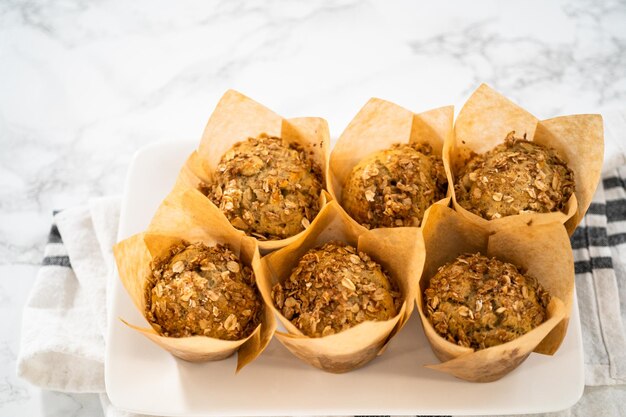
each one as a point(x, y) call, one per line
point(64, 320)
point(599, 245)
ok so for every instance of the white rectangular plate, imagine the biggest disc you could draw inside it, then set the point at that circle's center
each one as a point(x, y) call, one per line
point(141, 377)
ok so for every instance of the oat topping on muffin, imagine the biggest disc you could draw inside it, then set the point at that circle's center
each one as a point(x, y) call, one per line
point(267, 187)
point(335, 287)
point(394, 187)
point(480, 302)
point(202, 290)
point(515, 177)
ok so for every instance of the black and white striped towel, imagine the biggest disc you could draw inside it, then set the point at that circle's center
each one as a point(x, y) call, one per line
point(63, 348)
point(64, 320)
point(599, 246)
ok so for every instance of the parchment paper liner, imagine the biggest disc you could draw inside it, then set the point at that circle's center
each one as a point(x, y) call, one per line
point(402, 255)
point(542, 250)
point(379, 125)
point(483, 123)
point(184, 216)
point(237, 118)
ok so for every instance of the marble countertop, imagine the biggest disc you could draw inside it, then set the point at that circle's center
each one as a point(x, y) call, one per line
point(83, 84)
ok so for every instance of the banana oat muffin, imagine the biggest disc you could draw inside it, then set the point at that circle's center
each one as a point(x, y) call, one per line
point(202, 290)
point(515, 177)
point(267, 187)
point(479, 302)
point(394, 187)
point(335, 287)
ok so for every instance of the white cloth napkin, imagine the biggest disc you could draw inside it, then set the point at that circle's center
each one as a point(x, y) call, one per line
point(599, 246)
point(62, 346)
point(64, 320)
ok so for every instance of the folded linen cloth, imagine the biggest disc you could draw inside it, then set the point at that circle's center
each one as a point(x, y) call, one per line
point(64, 320)
point(599, 245)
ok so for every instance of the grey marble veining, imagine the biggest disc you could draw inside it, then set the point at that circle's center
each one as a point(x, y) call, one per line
point(581, 56)
point(83, 84)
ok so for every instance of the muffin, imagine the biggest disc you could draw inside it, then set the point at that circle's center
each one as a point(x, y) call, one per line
point(333, 288)
point(480, 302)
point(267, 187)
point(202, 290)
point(515, 177)
point(394, 187)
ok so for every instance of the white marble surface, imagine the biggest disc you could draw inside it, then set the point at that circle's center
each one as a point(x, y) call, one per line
point(83, 84)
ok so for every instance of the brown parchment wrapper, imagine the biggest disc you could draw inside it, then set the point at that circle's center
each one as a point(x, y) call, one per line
point(484, 122)
point(543, 251)
point(379, 125)
point(237, 118)
point(185, 216)
point(400, 253)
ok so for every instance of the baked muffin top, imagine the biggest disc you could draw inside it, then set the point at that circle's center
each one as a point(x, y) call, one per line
point(394, 187)
point(515, 177)
point(202, 290)
point(479, 302)
point(335, 287)
point(267, 187)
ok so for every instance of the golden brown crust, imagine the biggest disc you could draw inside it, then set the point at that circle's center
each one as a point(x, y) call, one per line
point(480, 302)
point(201, 290)
point(335, 287)
point(515, 177)
point(394, 187)
point(267, 187)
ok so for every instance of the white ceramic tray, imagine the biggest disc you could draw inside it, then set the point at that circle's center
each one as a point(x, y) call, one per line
point(141, 377)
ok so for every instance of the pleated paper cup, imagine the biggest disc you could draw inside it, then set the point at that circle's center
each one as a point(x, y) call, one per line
point(379, 125)
point(237, 118)
point(484, 122)
point(541, 251)
point(399, 253)
point(185, 216)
